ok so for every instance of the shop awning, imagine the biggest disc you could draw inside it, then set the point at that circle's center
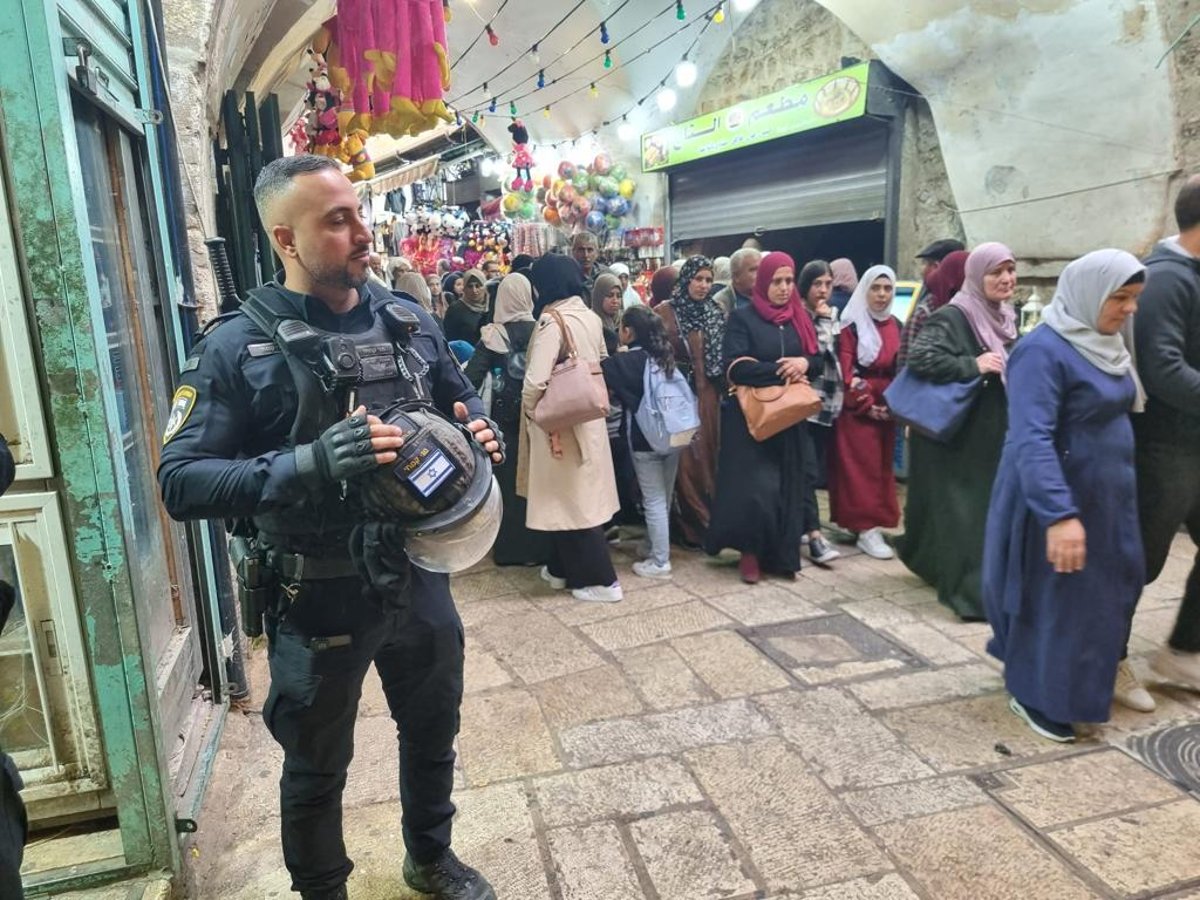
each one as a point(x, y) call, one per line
point(409, 174)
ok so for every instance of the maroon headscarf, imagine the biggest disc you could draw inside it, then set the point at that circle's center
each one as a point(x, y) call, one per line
point(662, 283)
point(947, 279)
point(792, 311)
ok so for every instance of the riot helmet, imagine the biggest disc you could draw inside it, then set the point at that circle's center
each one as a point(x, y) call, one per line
point(440, 490)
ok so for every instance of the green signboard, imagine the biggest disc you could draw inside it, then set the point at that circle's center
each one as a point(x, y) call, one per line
point(801, 107)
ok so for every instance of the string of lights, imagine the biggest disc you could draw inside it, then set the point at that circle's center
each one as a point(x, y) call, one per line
point(487, 29)
point(490, 103)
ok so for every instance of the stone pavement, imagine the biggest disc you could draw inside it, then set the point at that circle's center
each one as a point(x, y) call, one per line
point(840, 737)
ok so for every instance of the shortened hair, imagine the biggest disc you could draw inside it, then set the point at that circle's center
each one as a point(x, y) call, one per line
point(1187, 204)
point(276, 177)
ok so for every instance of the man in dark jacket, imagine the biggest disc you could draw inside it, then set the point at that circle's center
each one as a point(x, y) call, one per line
point(13, 826)
point(1168, 433)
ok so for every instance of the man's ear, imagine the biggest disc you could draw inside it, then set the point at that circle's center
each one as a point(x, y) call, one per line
point(284, 238)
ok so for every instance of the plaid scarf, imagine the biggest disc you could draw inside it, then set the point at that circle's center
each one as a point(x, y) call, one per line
point(830, 385)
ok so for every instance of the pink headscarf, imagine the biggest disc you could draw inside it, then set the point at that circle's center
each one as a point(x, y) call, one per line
point(793, 311)
point(994, 324)
point(845, 276)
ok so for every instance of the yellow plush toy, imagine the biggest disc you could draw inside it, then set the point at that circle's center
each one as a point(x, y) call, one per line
point(354, 152)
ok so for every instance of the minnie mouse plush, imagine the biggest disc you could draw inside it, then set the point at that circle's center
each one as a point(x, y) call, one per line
point(522, 158)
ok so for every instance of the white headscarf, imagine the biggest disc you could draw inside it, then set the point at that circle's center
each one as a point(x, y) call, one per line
point(514, 303)
point(1075, 310)
point(858, 312)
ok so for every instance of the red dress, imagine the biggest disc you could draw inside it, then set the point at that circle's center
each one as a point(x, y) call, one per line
point(862, 482)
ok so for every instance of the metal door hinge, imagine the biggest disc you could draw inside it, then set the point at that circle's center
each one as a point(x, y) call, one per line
point(150, 116)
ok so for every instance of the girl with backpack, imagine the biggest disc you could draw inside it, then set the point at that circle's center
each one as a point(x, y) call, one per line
point(645, 382)
point(498, 367)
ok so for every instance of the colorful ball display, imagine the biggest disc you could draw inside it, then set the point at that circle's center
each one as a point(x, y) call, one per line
point(550, 214)
point(566, 170)
point(626, 188)
point(581, 181)
point(511, 203)
point(595, 221)
point(618, 206)
point(608, 187)
point(618, 172)
point(602, 163)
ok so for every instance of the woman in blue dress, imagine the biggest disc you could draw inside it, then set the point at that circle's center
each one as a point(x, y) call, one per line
point(1063, 560)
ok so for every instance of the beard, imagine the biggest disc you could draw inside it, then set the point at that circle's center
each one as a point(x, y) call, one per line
point(331, 275)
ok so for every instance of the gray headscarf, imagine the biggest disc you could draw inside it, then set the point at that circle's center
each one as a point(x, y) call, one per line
point(1082, 289)
point(414, 285)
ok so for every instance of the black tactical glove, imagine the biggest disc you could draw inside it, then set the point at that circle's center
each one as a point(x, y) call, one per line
point(342, 452)
point(491, 423)
point(377, 549)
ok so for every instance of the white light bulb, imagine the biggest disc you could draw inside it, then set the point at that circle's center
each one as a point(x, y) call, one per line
point(626, 132)
point(744, 5)
point(685, 73)
point(666, 99)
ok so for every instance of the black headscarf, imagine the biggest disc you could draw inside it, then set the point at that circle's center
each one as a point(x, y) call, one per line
point(555, 278)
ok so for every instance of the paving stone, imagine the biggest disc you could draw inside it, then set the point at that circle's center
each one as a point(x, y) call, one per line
point(374, 775)
point(484, 584)
point(537, 646)
point(654, 596)
point(766, 604)
point(729, 665)
point(503, 735)
point(888, 887)
point(586, 696)
point(928, 687)
point(665, 732)
point(816, 648)
point(1148, 850)
point(963, 734)
point(373, 701)
point(629, 789)
point(914, 596)
point(481, 612)
point(977, 644)
point(821, 592)
point(844, 746)
point(688, 857)
point(481, 670)
point(1155, 625)
point(655, 625)
point(591, 863)
point(705, 578)
point(878, 806)
point(790, 643)
point(929, 643)
point(794, 830)
point(1083, 787)
point(978, 853)
point(879, 612)
point(848, 671)
point(661, 676)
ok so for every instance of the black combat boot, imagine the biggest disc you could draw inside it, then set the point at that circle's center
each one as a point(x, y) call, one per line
point(447, 878)
point(337, 893)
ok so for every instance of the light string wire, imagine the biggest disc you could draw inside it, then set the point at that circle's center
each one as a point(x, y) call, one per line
point(482, 32)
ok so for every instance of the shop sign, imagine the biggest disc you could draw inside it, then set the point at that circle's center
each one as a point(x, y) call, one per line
point(801, 107)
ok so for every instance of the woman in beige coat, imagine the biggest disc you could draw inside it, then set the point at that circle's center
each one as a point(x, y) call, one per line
point(568, 476)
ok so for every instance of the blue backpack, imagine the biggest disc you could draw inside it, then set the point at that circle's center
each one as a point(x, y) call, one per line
point(668, 414)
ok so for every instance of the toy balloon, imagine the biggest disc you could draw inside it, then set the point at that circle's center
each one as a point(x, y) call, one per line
point(612, 223)
point(581, 181)
point(511, 203)
point(626, 188)
point(547, 182)
point(602, 163)
point(608, 187)
point(582, 206)
point(618, 206)
point(618, 172)
point(541, 195)
point(595, 221)
point(528, 209)
point(550, 214)
point(567, 194)
point(566, 169)
point(594, 181)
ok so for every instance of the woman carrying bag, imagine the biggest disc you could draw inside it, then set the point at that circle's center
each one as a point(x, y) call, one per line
point(567, 474)
point(759, 504)
point(497, 369)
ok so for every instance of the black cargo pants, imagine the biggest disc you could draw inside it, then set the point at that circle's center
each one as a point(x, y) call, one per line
point(319, 654)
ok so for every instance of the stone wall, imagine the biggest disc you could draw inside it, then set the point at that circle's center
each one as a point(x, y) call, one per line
point(1184, 67)
point(188, 26)
point(787, 41)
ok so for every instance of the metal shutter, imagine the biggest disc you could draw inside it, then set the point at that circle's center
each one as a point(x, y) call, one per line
point(838, 174)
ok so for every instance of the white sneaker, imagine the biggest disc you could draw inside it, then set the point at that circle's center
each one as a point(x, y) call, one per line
point(599, 593)
point(557, 583)
point(871, 542)
point(1178, 667)
point(648, 568)
point(1129, 691)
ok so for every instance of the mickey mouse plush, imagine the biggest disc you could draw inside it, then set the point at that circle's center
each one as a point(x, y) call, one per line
point(522, 158)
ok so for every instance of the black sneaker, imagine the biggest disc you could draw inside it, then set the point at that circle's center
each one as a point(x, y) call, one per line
point(1061, 732)
point(820, 551)
point(337, 893)
point(447, 878)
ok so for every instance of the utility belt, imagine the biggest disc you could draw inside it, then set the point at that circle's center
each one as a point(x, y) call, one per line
point(268, 577)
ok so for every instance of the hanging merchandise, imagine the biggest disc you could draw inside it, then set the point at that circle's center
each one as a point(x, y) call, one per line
point(432, 235)
point(522, 158)
point(389, 61)
point(485, 240)
point(320, 130)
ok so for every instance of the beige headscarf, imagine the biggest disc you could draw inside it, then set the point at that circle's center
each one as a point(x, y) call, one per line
point(604, 286)
point(514, 303)
point(480, 305)
point(415, 286)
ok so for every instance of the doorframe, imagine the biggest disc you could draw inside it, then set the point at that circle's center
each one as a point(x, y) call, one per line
point(54, 250)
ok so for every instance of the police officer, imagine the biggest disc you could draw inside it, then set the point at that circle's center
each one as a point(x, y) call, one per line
point(254, 433)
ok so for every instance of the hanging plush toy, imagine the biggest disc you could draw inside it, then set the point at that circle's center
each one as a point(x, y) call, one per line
point(522, 158)
point(354, 152)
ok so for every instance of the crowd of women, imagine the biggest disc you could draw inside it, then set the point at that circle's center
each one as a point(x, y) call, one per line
point(1025, 516)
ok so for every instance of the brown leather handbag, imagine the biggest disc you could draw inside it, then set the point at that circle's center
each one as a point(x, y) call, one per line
point(775, 408)
point(576, 392)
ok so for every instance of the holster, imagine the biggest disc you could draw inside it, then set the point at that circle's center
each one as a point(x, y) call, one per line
point(257, 585)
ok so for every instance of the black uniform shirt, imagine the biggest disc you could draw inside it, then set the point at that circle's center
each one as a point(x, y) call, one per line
point(225, 452)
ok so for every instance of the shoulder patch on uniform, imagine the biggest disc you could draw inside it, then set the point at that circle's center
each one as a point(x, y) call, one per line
point(181, 407)
point(191, 364)
point(262, 349)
